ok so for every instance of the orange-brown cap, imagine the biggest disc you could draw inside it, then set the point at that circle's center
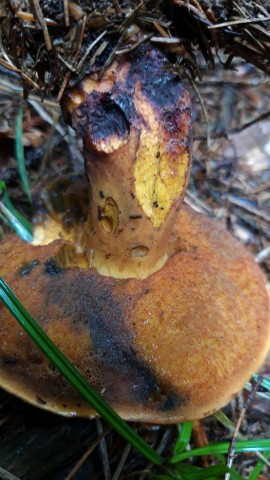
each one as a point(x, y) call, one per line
point(175, 346)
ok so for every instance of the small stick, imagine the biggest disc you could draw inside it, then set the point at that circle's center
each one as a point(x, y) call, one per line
point(117, 6)
point(239, 22)
point(167, 40)
point(231, 451)
point(81, 62)
point(66, 13)
point(42, 22)
point(87, 453)
point(121, 464)
point(254, 211)
point(104, 452)
point(29, 17)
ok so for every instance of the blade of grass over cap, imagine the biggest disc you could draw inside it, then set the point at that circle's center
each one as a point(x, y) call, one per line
point(15, 219)
point(30, 325)
point(20, 156)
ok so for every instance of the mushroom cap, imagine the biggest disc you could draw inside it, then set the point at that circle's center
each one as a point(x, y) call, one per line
point(175, 346)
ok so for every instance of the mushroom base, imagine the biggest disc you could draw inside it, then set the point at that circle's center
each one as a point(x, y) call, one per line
point(175, 346)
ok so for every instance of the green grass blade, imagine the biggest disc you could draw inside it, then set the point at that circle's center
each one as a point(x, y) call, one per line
point(191, 472)
point(72, 374)
point(20, 156)
point(234, 475)
point(183, 438)
point(15, 219)
point(260, 445)
point(165, 476)
point(216, 471)
point(258, 469)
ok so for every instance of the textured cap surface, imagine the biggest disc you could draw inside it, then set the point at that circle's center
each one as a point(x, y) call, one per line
point(172, 347)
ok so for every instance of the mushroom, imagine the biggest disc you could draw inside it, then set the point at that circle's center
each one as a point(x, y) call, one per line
point(163, 312)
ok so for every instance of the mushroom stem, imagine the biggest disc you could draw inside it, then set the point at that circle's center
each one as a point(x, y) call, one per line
point(135, 125)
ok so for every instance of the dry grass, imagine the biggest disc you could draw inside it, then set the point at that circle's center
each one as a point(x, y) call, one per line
point(53, 44)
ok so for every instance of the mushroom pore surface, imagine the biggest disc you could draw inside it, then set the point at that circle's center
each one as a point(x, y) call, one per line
point(163, 312)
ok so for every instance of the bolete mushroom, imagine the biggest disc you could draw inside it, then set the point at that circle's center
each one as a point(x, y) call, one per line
point(162, 311)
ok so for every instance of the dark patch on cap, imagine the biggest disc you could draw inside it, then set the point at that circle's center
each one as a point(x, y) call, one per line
point(99, 215)
point(165, 400)
point(41, 401)
point(112, 343)
point(28, 267)
point(135, 217)
point(101, 194)
point(10, 360)
point(171, 402)
point(114, 347)
point(126, 375)
point(52, 268)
